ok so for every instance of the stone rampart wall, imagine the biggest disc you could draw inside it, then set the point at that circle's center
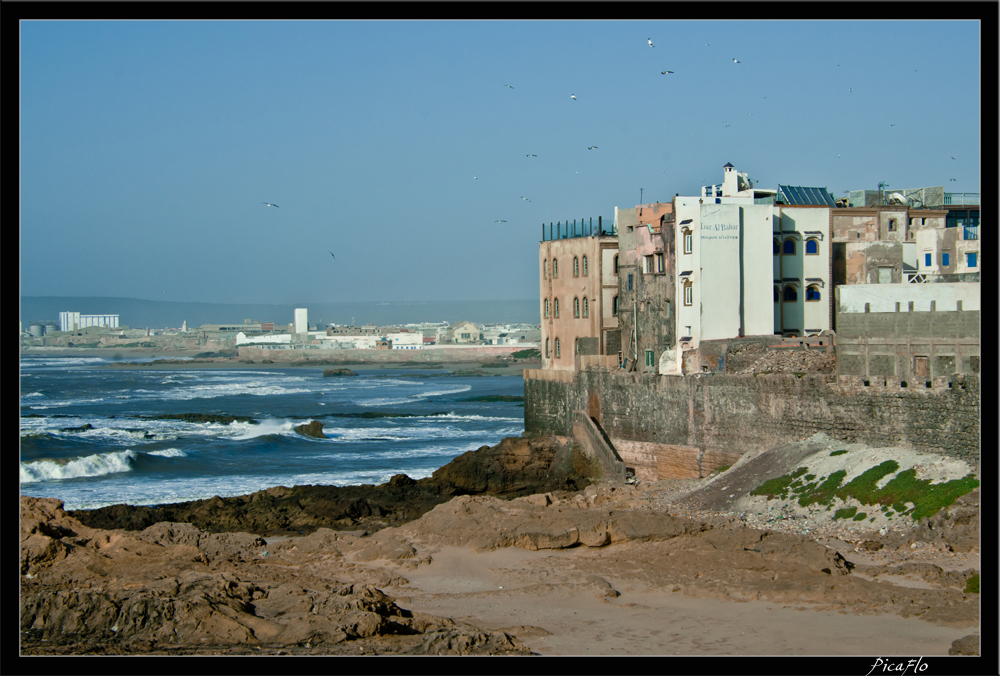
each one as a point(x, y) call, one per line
point(710, 420)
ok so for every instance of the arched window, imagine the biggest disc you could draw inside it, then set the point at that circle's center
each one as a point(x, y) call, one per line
point(777, 295)
point(586, 306)
point(616, 264)
point(546, 307)
point(688, 241)
point(577, 345)
point(556, 308)
point(777, 246)
point(545, 269)
point(789, 246)
point(790, 294)
point(546, 348)
point(576, 307)
point(666, 310)
point(688, 293)
point(812, 247)
point(812, 292)
point(576, 266)
point(584, 266)
point(555, 268)
point(614, 306)
point(557, 348)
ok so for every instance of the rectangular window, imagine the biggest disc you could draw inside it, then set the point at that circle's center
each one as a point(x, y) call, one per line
point(647, 264)
point(687, 294)
point(971, 260)
point(649, 358)
point(659, 263)
point(892, 224)
point(944, 258)
point(970, 232)
point(927, 259)
point(666, 310)
point(687, 242)
point(630, 281)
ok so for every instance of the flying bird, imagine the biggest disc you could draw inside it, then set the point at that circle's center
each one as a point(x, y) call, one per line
point(952, 157)
point(331, 253)
point(650, 41)
point(736, 60)
point(951, 179)
point(850, 89)
point(500, 221)
point(509, 86)
point(591, 147)
point(271, 205)
point(531, 155)
point(665, 72)
point(572, 96)
point(893, 124)
point(476, 177)
point(525, 198)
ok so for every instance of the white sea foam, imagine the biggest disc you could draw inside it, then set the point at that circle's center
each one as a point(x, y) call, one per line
point(169, 453)
point(269, 426)
point(91, 465)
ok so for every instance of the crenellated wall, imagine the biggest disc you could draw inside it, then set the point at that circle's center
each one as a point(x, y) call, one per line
point(674, 426)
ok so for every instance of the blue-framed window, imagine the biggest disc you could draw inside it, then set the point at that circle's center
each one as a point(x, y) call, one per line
point(630, 281)
point(812, 247)
point(927, 259)
point(945, 258)
point(972, 260)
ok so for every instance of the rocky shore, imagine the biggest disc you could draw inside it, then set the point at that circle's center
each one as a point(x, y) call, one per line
point(507, 550)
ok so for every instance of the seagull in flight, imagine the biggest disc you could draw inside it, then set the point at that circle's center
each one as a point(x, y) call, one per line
point(591, 147)
point(650, 41)
point(573, 96)
point(331, 253)
point(951, 179)
point(952, 157)
point(271, 205)
point(850, 89)
point(509, 86)
point(525, 198)
point(736, 60)
point(500, 221)
point(531, 155)
point(665, 72)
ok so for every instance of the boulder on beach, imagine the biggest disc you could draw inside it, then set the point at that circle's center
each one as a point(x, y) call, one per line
point(312, 429)
point(338, 372)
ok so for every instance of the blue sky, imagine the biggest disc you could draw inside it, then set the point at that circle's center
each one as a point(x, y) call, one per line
point(147, 148)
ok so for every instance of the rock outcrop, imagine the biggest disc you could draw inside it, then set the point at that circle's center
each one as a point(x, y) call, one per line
point(174, 588)
point(513, 468)
point(311, 429)
point(338, 372)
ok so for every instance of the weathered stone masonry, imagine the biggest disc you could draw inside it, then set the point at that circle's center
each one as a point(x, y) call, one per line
point(686, 426)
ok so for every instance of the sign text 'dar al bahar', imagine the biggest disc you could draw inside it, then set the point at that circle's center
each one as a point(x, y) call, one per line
point(720, 231)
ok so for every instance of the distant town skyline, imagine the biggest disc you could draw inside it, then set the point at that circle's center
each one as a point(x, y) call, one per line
point(416, 161)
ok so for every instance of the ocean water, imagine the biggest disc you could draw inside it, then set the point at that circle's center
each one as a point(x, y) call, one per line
point(378, 424)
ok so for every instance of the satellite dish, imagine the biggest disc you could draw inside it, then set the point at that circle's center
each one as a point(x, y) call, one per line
point(897, 198)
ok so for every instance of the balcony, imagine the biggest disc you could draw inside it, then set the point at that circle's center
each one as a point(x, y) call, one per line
point(567, 230)
point(961, 198)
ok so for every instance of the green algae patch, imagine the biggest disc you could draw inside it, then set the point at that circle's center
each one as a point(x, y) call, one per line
point(845, 513)
point(837, 453)
point(904, 493)
point(972, 586)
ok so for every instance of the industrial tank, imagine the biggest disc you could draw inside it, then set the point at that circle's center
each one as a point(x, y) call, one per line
point(36, 330)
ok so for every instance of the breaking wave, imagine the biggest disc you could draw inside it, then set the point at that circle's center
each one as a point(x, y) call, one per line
point(91, 465)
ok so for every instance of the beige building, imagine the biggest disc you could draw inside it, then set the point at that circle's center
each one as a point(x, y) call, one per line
point(462, 333)
point(578, 284)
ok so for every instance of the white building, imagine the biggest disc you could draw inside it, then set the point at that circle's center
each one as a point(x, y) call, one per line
point(748, 267)
point(301, 320)
point(74, 321)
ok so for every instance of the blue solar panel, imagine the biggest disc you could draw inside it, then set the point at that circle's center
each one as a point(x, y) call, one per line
point(797, 195)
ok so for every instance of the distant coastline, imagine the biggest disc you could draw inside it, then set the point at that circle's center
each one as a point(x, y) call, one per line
point(141, 313)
